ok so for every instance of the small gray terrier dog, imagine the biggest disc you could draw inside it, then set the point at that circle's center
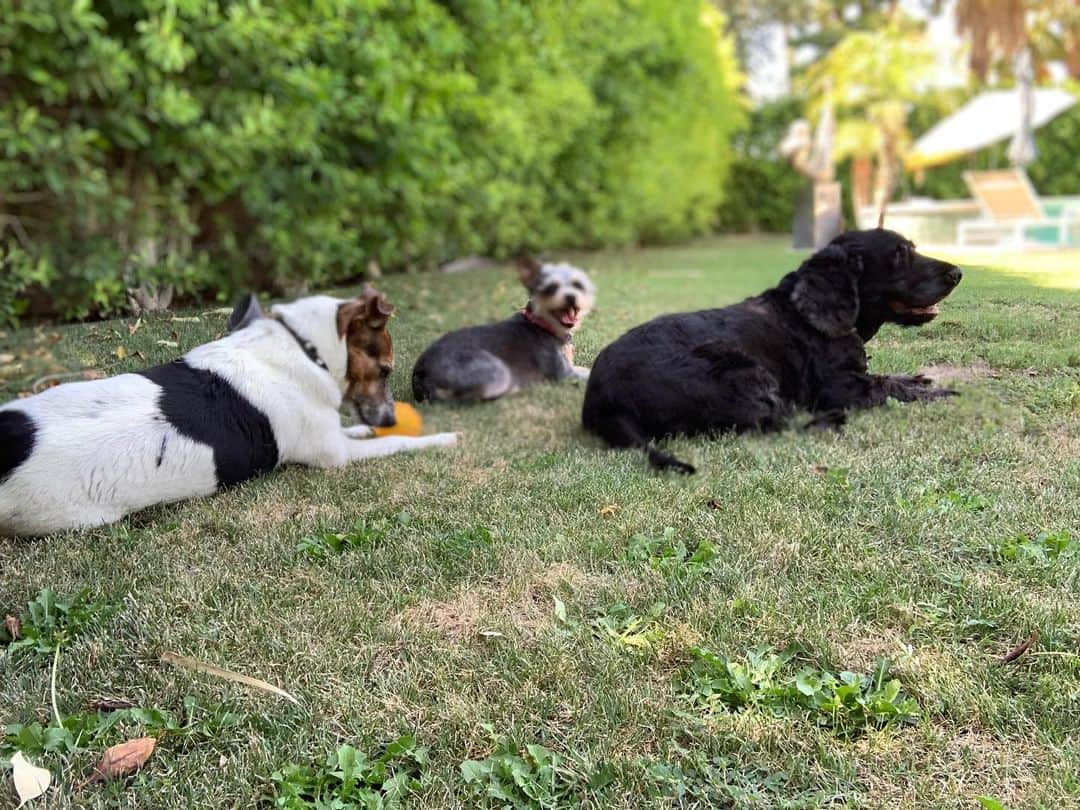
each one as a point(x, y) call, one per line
point(481, 363)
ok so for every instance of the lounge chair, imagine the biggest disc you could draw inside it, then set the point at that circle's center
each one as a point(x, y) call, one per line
point(1013, 216)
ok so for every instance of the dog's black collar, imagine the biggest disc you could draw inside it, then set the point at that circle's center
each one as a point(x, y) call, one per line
point(306, 345)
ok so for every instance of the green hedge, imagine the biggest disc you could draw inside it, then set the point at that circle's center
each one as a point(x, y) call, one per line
point(763, 186)
point(221, 145)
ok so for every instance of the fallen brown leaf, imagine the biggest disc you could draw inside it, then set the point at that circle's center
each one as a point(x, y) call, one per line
point(12, 625)
point(134, 327)
point(609, 510)
point(715, 503)
point(1023, 647)
point(123, 759)
point(819, 469)
point(110, 705)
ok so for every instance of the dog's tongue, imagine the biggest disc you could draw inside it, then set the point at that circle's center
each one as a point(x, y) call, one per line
point(904, 309)
point(568, 318)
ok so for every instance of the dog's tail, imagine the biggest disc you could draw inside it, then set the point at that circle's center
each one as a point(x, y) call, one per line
point(628, 434)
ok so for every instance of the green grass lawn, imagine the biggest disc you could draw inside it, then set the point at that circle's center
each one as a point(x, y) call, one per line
point(520, 590)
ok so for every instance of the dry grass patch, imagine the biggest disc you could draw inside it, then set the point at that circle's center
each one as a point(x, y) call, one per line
point(525, 607)
point(860, 653)
point(945, 372)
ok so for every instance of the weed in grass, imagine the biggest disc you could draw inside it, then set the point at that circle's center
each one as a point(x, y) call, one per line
point(700, 780)
point(529, 777)
point(96, 730)
point(464, 542)
point(50, 622)
point(619, 624)
point(942, 502)
point(364, 536)
point(330, 544)
point(348, 779)
point(671, 555)
point(847, 702)
point(1046, 548)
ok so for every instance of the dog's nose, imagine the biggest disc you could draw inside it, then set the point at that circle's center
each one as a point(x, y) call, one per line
point(571, 300)
point(954, 275)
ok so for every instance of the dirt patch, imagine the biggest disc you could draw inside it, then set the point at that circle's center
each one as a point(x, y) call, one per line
point(861, 654)
point(525, 607)
point(457, 618)
point(563, 574)
point(962, 765)
point(943, 372)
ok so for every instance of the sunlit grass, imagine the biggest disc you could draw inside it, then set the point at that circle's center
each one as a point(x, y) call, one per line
point(1059, 269)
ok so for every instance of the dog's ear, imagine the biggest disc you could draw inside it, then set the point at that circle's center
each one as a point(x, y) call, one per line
point(529, 272)
point(246, 311)
point(826, 290)
point(370, 308)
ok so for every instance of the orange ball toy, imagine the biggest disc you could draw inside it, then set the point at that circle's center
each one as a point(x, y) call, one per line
point(409, 422)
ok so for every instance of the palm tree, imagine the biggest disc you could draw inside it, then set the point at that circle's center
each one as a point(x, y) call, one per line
point(994, 27)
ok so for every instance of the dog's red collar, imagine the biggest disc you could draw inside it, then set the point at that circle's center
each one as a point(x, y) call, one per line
point(527, 314)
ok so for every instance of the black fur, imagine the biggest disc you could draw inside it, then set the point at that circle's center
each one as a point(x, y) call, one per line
point(478, 361)
point(17, 437)
point(244, 313)
point(204, 407)
point(749, 366)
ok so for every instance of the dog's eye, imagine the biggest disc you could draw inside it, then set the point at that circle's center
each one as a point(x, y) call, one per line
point(577, 285)
point(384, 371)
point(549, 289)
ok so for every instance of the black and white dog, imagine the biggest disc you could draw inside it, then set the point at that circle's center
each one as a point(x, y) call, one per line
point(88, 453)
point(491, 361)
point(749, 366)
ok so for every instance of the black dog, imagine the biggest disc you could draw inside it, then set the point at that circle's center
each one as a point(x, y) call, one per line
point(748, 366)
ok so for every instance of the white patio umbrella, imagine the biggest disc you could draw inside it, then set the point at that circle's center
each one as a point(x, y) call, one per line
point(988, 118)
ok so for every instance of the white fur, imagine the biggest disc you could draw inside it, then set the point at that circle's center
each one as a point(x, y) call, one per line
point(97, 443)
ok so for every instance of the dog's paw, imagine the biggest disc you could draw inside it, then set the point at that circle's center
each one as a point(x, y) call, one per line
point(828, 420)
point(443, 439)
point(928, 394)
point(920, 380)
point(359, 432)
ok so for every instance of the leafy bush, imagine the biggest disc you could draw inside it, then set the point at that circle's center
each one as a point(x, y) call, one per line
point(762, 188)
point(212, 146)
